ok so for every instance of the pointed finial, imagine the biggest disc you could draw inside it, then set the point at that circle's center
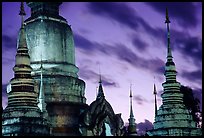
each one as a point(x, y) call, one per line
point(155, 91)
point(22, 11)
point(130, 90)
point(100, 80)
point(22, 14)
point(100, 88)
point(169, 54)
point(167, 17)
point(132, 124)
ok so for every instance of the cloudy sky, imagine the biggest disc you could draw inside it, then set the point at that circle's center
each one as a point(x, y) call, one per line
point(128, 41)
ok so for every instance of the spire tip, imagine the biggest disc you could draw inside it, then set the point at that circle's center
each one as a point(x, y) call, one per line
point(22, 11)
point(167, 16)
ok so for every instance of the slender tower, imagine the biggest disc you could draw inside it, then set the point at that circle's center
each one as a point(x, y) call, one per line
point(49, 34)
point(132, 125)
point(173, 118)
point(155, 99)
point(22, 117)
point(41, 99)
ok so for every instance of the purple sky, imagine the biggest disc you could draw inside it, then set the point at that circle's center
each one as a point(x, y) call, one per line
point(128, 40)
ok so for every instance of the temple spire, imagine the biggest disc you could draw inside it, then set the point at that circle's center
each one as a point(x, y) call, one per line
point(132, 125)
point(22, 14)
point(155, 99)
point(100, 89)
point(169, 54)
point(131, 111)
point(22, 81)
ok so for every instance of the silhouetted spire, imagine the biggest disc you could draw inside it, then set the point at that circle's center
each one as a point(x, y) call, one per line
point(22, 14)
point(155, 98)
point(171, 84)
point(132, 124)
point(169, 54)
point(100, 89)
point(131, 111)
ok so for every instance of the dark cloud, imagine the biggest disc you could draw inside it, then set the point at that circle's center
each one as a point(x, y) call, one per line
point(109, 82)
point(91, 75)
point(139, 44)
point(197, 92)
point(183, 12)
point(8, 42)
point(124, 15)
point(119, 12)
point(190, 47)
point(139, 99)
point(83, 43)
point(160, 70)
point(195, 76)
point(121, 52)
point(143, 127)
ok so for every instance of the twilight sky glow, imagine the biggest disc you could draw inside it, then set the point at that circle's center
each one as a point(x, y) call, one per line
point(128, 40)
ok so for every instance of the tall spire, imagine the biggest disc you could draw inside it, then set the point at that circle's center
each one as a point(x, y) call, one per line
point(22, 14)
point(171, 84)
point(170, 69)
point(22, 81)
point(132, 124)
point(131, 111)
point(169, 54)
point(41, 104)
point(155, 98)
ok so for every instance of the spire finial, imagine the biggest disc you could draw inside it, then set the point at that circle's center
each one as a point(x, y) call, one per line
point(132, 124)
point(169, 54)
point(155, 97)
point(22, 14)
point(130, 90)
point(22, 11)
point(167, 16)
point(155, 91)
point(100, 89)
point(100, 80)
point(131, 111)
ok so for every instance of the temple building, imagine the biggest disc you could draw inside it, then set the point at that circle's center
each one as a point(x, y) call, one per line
point(51, 45)
point(22, 116)
point(173, 118)
point(46, 97)
point(99, 118)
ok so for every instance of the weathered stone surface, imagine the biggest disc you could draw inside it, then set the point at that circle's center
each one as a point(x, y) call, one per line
point(173, 118)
